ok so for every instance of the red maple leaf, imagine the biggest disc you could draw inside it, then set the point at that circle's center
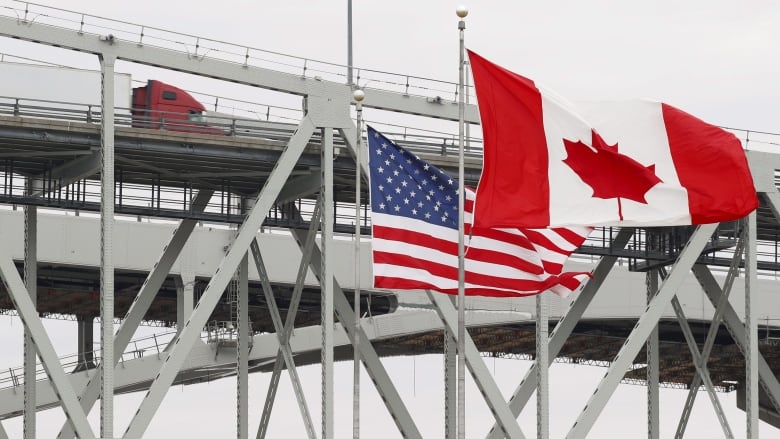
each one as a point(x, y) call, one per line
point(609, 173)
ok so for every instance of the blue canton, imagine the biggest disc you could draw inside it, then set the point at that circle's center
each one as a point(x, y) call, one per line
point(404, 185)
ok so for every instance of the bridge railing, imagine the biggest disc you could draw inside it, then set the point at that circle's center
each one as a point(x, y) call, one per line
point(201, 47)
point(152, 345)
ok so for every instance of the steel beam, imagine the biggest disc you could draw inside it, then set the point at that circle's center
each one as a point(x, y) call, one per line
point(143, 301)
point(376, 371)
point(484, 381)
point(639, 334)
point(227, 70)
point(242, 351)
point(712, 333)
point(751, 330)
point(107, 245)
point(542, 373)
point(564, 328)
point(32, 323)
point(651, 280)
point(734, 325)
point(326, 283)
point(71, 172)
point(701, 368)
point(282, 333)
point(31, 283)
point(191, 333)
point(450, 387)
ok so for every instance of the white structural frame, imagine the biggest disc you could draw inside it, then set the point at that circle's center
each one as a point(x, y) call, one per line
point(327, 105)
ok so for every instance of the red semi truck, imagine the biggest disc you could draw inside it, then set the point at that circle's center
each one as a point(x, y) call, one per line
point(155, 105)
point(158, 105)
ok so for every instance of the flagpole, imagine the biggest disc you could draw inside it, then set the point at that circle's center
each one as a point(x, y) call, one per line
point(462, 12)
point(358, 95)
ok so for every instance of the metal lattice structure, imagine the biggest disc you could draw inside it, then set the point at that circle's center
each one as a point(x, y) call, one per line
point(299, 178)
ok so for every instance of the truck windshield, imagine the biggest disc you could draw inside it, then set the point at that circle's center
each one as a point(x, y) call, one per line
point(196, 116)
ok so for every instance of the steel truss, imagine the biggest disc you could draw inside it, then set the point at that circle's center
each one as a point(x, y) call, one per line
point(327, 108)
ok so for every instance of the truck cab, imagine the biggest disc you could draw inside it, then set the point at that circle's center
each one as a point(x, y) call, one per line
point(158, 105)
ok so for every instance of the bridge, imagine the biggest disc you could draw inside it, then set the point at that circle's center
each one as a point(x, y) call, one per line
point(215, 236)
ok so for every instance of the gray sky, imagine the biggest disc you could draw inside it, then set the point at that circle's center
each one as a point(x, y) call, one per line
point(716, 59)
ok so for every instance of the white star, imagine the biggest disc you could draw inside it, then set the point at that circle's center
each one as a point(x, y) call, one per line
point(392, 156)
point(378, 152)
point(404, 183)
point(413, 193)
point(426, 167)
point(450, 181)
point(408, 161)
point(416, 172)
point(414, 211)
point(431, 192)
point(397, 208)
point(382, 206)
point(441, 188)
point(398, 190)
point(424, 182)
point(384, 145)
point(381, 188)
point(406, 201)
point(428, 197)
point(380, 169)
point(387, 162)
point(443, 219)
point(389, 179)
point(395, 172)
point(436, 208)
point(376, 135)
point(389, 198)
point(420, 204)
point(427, 215)
point(448, 198)
point(434, 177)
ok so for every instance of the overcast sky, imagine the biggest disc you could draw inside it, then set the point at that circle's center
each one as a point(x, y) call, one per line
point(716, 59)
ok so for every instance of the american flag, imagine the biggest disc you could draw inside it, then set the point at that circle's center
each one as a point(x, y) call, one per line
point(414, 215)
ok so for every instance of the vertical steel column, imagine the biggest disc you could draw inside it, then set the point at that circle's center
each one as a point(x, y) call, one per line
point(358, 96)
point(751, 331)
point(326, 301)
point(651, 349)
point(185, 295)
point(542, 359)
point(450, 386)
point(107, 246)
point(242, 352)
point(31, 283)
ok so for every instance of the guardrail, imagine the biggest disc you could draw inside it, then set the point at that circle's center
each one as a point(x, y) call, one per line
point(201, 47)
point(153, 344)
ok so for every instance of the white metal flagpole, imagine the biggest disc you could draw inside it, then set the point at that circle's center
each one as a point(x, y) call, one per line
point(462, 12)
point(358, 96)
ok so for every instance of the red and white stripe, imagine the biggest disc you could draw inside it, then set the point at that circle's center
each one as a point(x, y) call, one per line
point(413, 254)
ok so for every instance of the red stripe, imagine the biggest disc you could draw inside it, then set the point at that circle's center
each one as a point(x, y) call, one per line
point(416, 238)
point(510, 108)
point(449, 272)
point(712, 166)
point(394, 283)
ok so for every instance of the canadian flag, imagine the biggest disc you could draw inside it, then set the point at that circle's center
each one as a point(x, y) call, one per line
point(636, 163)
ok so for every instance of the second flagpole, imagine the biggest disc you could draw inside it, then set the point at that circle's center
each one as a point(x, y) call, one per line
point(462, 12)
